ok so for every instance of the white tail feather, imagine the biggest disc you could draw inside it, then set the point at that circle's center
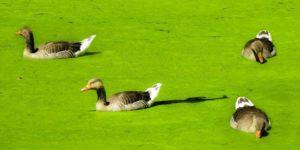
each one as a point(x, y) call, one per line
point(264, 35)
point(153, 92)
point(85, 44)
point(243, 102)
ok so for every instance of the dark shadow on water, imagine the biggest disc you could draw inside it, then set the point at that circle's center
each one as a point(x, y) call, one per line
point(91, 53)
point(188, 100)
point(163, 30)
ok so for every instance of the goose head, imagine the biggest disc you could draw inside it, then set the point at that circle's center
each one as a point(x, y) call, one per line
point(259, 56)
point(242, 102)
point(25, 32)
point(93, 84)
point(264, 34)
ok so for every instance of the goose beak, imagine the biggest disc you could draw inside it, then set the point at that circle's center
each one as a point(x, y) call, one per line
point(86, 88)
point(260, 58)
point(18, 33)
point(258, 134)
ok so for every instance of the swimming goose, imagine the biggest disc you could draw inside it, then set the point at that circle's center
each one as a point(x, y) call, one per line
point(259, 48)
point(128, 100)
point(52, 50)
point(248, 118)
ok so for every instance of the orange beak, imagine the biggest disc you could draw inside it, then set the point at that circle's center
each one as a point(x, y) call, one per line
point(258, 134)
point(86, 88)
point(260, 57)
point(18, 33)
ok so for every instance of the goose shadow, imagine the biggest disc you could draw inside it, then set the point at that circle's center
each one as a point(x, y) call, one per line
point(188, 100)
point(90, 53)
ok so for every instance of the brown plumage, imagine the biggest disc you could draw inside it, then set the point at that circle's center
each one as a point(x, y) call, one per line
point(248, 118)
point(52, 50)
point(259, 48)
point(128, 100)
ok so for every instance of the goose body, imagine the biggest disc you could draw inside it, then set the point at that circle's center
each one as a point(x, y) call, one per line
point(259, 48)
point(123, 101)
point(128, 100)
point(53, 50)
point(249, 119)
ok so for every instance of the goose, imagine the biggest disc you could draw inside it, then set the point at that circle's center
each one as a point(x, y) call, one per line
point(123, 101)
point(259, 48)
point(248, 118)
point(53, 50)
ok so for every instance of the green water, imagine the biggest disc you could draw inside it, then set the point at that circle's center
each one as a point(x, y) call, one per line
point(192, 47)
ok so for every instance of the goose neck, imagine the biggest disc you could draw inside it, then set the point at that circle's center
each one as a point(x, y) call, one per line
point(30, 42)
point(102, 96)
